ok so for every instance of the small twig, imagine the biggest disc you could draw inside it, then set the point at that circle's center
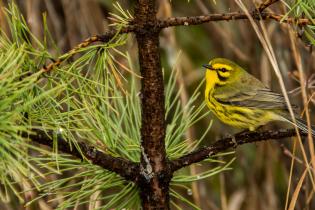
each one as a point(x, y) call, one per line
point(106, 37)
point(288, 153)
point(227, 143)
point(266, 4)
point(125, 168)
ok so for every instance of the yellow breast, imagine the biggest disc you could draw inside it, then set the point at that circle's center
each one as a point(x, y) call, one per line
point(236, 116)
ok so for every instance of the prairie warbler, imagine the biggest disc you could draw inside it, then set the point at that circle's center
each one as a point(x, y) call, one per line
point(240, 100)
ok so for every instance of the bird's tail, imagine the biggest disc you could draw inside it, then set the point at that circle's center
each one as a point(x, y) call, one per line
point(302, 125)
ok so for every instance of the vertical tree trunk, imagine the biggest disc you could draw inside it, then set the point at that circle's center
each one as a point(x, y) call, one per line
point(154, 184)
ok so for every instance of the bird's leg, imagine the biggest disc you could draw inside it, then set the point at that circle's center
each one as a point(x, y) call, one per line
point(241, 133)
point(232, 137)
point(248, 130)
point(234, 141)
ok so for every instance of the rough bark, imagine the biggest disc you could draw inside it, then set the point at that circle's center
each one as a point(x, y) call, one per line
point(154, 185)
point(125, 168)
point(231, 142)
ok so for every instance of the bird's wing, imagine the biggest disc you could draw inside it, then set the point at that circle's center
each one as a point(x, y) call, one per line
point(249, 95)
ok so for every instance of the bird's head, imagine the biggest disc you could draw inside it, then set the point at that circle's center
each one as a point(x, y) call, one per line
point(221, 71)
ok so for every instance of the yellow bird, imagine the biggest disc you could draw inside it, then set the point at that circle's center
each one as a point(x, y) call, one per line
point(240, 100)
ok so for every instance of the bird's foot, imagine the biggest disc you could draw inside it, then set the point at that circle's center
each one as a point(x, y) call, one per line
point(234, 142)
point(232, 137)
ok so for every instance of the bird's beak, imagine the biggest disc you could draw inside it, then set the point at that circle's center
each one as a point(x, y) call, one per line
point(207, 66)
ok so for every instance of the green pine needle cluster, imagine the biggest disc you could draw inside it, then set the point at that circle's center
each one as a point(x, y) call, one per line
point(18, 95)
point(303, 9)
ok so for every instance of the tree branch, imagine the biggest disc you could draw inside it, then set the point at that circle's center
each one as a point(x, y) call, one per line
point(179, 21)
point(196, 20)
point(125, 168)
point(227, 143)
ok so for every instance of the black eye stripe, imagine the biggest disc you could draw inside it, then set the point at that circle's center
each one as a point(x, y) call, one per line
point(221, 78)
point(223, 70)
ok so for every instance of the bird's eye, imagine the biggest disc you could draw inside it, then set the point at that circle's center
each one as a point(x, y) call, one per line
point(223, 70)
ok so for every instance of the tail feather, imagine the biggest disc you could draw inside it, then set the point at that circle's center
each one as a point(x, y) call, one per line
point(302, 125)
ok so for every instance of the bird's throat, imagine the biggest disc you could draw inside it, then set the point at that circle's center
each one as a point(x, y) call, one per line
point(211, 81)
